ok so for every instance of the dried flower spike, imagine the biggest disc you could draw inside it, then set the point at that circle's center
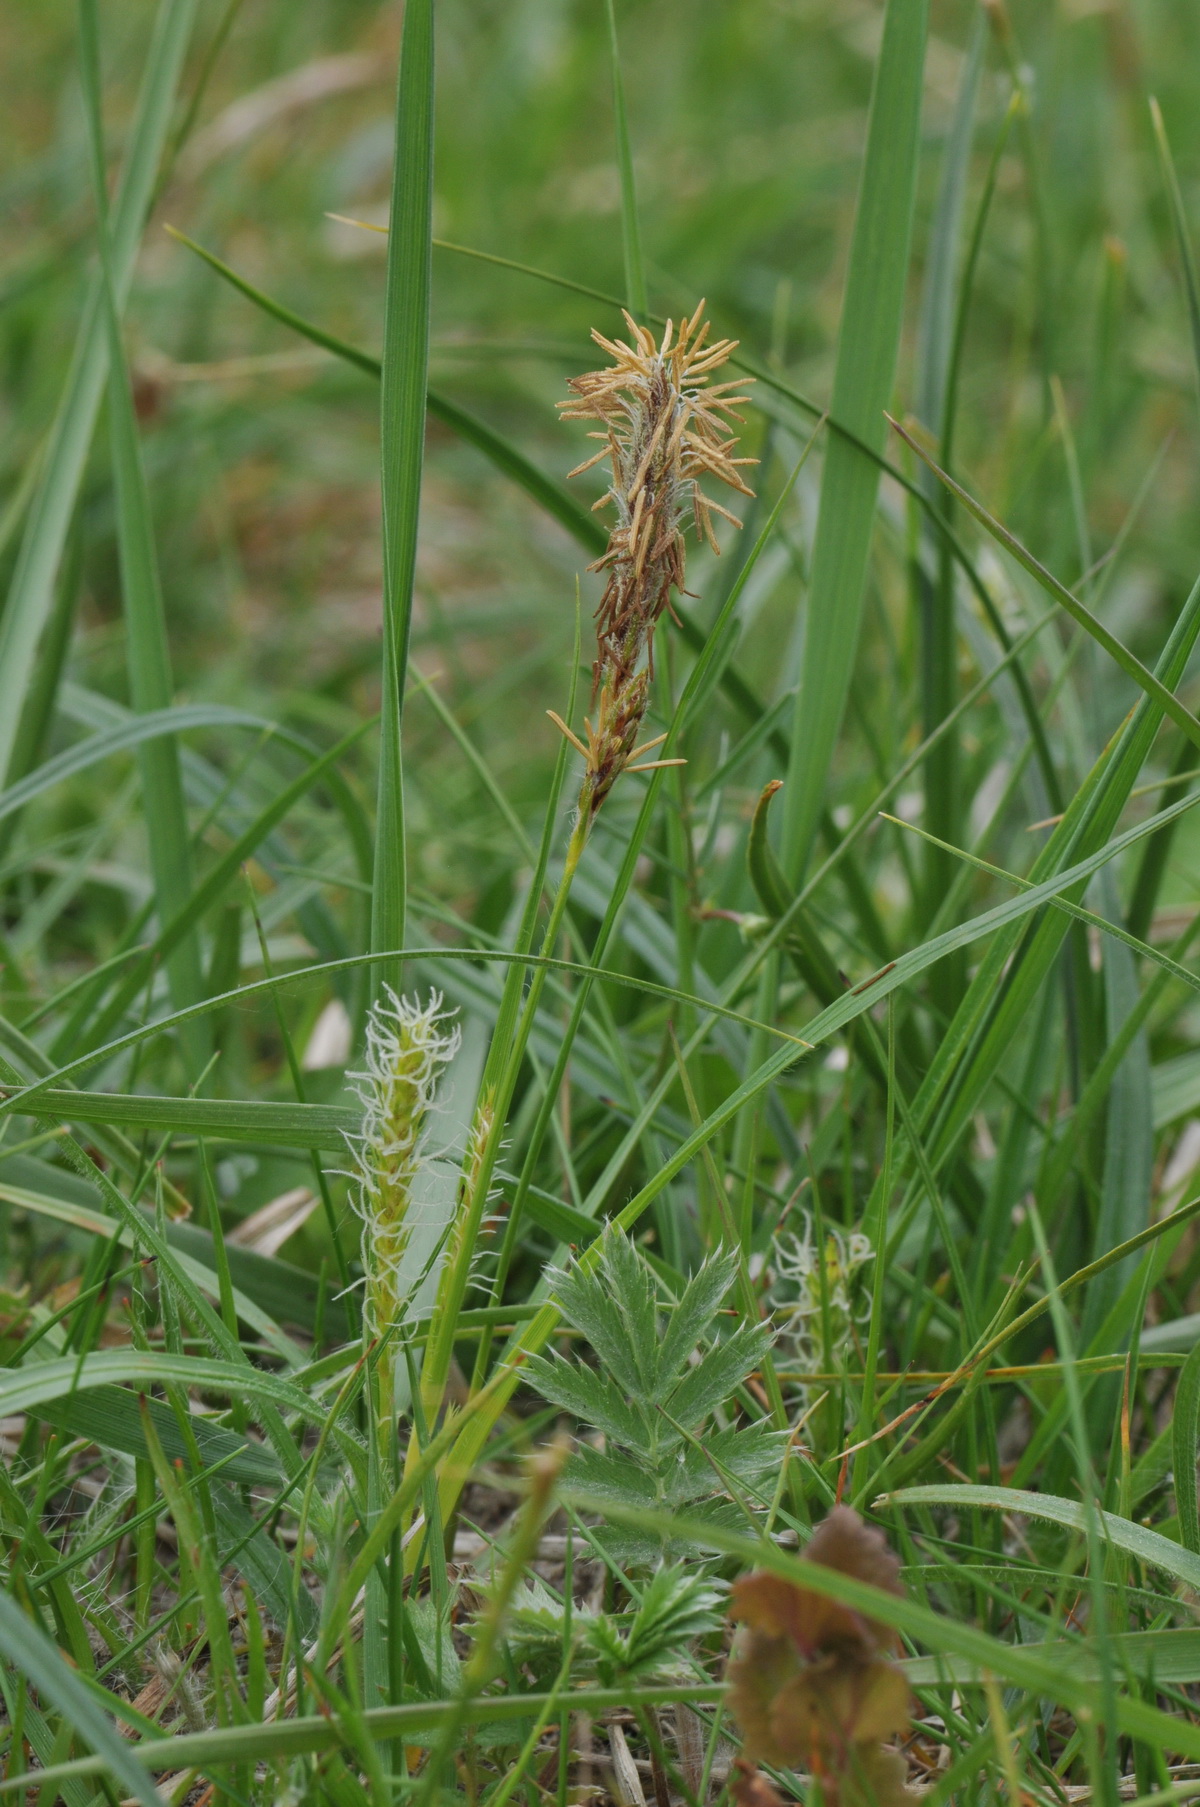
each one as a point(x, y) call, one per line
point(664, 429)
point(407, 1047)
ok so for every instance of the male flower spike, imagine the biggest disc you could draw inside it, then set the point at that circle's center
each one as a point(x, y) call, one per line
point(664, 429)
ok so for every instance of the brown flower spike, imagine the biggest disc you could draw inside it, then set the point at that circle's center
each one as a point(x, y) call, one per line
point(811, 1683)
point(664, 429)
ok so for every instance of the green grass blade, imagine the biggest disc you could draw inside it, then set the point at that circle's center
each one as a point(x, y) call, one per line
point(581, 525)
point(1183, 237)
point(24, 1389)
point(936, 330)
point(212, 886)
point(1120, 654)
point(148, 662)
point(1185, 1426)
point(1147, 1546)
point(129, 734)
point(31, 592)
point(867, 348)
point(932, 567)
point(32, 1655)
point(404, 381)
point(1126, 1186)
point(631, 233)
point(222, 1119)
point(413, 1721)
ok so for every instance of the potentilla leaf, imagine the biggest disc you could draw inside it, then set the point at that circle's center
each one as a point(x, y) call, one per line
point(692, 1317)
point(593, 1397)
point(714, 1378)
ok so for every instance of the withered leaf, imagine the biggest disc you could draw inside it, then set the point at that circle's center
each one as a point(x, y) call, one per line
point(750, 1788)
point(875, 1778)
point(810, 1682)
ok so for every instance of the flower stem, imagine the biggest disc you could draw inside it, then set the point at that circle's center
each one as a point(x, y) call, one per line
point(476, 1185)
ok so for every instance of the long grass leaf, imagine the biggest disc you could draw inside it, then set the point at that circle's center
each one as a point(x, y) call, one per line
point(24, 1389)
point(1185, 1432)
point(1120, 654)
point(1148, 1546)
point(867, 348)
point(402, 435)
point(221, 1119)
point(148, 662)
point(1183, 237)
point(31, 591)
point(631, 232)
point(32, 1655)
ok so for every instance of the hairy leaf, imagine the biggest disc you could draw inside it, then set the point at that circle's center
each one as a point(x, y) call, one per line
point(692, 1316)
point(715, 1376)
point(593, 1397)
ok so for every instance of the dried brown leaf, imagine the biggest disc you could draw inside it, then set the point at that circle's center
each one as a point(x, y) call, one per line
point(810, 1683)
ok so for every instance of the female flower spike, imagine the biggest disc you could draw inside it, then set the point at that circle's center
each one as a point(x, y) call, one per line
point(407, 1047)
point(664, 429)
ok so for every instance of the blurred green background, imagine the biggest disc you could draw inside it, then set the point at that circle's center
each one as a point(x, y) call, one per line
point(748, 122)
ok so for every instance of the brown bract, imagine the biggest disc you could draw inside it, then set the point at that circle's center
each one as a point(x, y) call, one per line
point(664, 429)
point(811, 1683)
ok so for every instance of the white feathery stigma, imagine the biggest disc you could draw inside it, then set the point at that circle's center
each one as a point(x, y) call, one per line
point(408, 1046)
point(816, 1290)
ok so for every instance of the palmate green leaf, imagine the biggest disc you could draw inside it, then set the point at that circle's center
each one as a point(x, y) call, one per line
point(868, 344)
point(692, 1316)
point(1148, 1546)
point(404, 381)
point(717, 1374)
point(593, 1397)
point(676, 1606)
point(31, 592)
point(628, 1283)
point(748, 1459)
point(588, 1303)
point(610, 1476)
